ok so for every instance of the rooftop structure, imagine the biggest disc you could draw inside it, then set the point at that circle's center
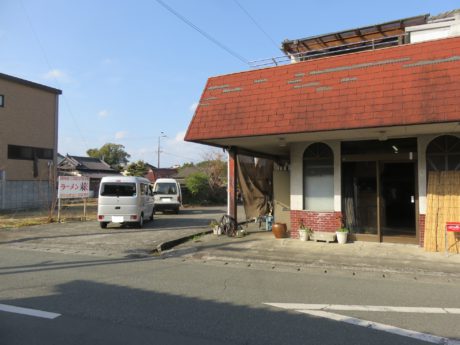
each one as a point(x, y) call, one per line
point(396, 32)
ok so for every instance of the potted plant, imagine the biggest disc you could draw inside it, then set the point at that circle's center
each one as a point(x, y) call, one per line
point(214, 225)
point(342, 234)
point(304, 232)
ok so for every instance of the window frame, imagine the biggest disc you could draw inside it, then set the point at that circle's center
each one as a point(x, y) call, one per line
point(437, 148)
point(322, 157)
point(20, 152)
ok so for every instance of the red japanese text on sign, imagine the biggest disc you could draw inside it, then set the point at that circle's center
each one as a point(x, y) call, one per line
point(73, 187)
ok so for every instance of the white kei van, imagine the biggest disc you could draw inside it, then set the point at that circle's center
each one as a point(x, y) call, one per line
point(124, 199)
point(168, 195)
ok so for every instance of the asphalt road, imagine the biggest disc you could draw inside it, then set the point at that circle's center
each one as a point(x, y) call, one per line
point(116, 241)
point(178, 300)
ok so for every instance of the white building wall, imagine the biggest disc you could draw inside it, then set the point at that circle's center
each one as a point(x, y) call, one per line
point(297, 151)
point(447, 27)
point(422, 143)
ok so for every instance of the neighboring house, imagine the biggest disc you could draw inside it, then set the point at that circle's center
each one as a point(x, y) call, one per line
point(59, 158)
point(94, 168)
point(356, 122)
point(28, 143)
point(183, 173)
point(154, 174)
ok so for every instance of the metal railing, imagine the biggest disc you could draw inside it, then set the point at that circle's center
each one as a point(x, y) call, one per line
point(329, 51)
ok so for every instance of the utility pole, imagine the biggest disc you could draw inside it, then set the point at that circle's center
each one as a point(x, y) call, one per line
point(162, 135)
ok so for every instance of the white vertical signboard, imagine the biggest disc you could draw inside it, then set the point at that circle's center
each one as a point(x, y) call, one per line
point(72, 187)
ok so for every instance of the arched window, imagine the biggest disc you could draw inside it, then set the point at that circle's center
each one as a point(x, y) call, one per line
point(443, 154)
point(318, 178)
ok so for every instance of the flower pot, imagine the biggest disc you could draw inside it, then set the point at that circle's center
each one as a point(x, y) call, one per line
point(216, 230)
point(342, 237)
point(303, 235)
point(279, 230)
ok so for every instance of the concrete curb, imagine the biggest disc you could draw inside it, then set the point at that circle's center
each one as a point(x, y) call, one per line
point(411, 273)
point(173, 243)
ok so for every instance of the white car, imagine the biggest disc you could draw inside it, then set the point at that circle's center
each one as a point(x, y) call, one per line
point(168, 195)
point(125, 199)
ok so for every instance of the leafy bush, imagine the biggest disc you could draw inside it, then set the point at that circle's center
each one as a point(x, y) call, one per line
point(200, 191)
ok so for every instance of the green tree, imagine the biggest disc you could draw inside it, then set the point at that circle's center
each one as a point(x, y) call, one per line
point(215, 167)
point(113, 154)
point(138, 168)
point(187, 165)
point(198, 186)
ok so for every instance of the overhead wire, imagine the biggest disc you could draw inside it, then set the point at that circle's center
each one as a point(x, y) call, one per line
point(175, 155)
point(256, 24)
point(47, 62)
point(202, 32)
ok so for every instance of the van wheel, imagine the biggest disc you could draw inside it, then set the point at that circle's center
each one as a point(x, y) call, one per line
point(103, 225)
point(151, 216)
point(176, 211)
point(140, 224)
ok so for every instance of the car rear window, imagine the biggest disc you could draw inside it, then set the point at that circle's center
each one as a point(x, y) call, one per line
point(118, 189)
point(166, 188)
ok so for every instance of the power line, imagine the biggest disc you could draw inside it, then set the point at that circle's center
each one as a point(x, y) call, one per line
point(256, 24)
point(45, 57)
point(208, 36)
point(174, 155)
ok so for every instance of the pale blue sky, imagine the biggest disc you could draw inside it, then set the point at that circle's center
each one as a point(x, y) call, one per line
point(130, 69)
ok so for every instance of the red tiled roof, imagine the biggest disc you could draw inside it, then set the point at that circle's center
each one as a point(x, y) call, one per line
point(156, 173)
point(407, 84)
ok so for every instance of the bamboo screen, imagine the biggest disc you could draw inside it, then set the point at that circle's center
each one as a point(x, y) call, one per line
point(443, 205)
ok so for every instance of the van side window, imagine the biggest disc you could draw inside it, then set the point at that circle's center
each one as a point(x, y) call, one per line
point(143, 189)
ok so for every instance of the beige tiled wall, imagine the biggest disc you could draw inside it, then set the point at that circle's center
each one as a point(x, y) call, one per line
point(27, 119)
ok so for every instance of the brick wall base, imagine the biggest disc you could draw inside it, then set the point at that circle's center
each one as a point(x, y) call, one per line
point(331, 221)
point(318, 221)
point(421, 229)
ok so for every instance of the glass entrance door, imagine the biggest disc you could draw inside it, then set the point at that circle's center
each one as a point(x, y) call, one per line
point(360, 198)
point(378, 200)
point(397, 201)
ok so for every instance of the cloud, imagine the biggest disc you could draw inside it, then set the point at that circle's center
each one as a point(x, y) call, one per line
point(56, 74)
point(180, 136)
point(103, 113)
point(120, 134)
point(193, 107)
point(178, 151)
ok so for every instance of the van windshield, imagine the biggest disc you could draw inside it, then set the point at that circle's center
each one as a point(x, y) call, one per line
point(166, 188)
point(118, 189)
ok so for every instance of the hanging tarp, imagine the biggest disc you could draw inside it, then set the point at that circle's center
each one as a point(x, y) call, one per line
point(255, 176)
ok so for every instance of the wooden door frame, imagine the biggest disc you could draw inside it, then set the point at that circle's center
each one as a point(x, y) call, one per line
point(380, 160)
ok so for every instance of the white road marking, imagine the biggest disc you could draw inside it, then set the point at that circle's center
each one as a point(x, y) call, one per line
point(382, 327)
point(319, 310)
point(422, 310)
point(27, 311)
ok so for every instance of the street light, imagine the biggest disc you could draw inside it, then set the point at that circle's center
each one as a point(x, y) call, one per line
point(162, 135)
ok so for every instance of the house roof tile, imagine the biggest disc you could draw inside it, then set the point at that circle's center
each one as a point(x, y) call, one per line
point(408, 84)
point(86, 164)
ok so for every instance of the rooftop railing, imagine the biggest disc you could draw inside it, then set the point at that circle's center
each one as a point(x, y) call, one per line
point(373, 44)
